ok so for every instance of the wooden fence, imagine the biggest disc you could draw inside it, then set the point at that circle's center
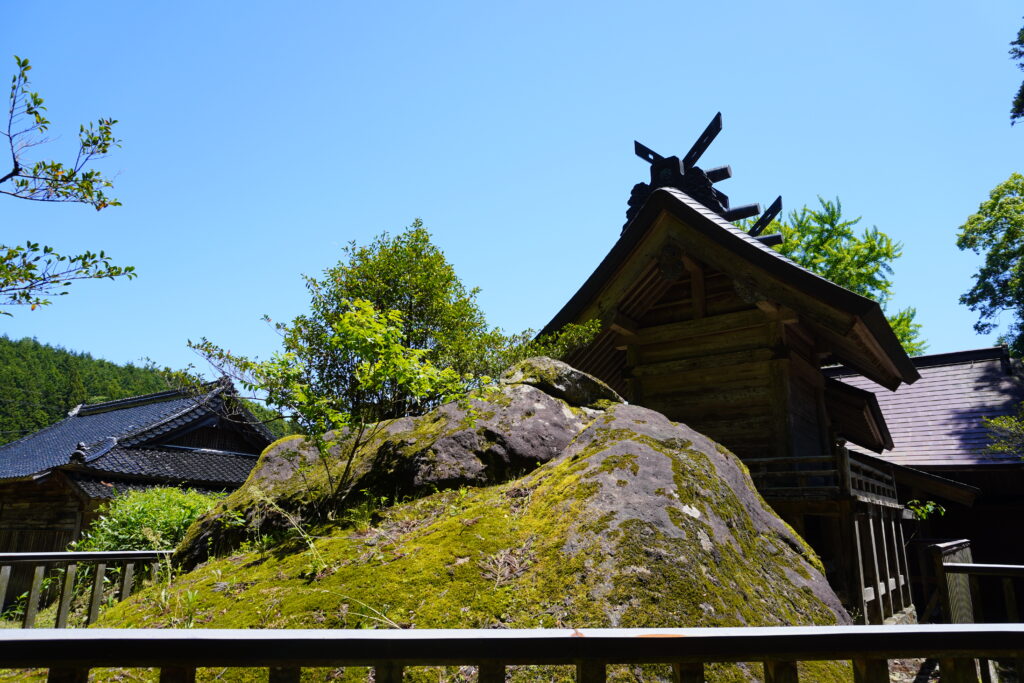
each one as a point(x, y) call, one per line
point(65, 567)
point(69, 654)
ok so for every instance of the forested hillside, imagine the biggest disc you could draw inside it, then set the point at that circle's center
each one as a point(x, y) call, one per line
point(39, 384)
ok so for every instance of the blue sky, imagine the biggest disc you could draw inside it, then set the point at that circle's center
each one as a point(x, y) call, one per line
point(261, 137)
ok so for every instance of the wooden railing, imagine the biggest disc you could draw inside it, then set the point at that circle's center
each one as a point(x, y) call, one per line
point(828, 476)
point(959, 587)
point(68, 655)
point(65, 567)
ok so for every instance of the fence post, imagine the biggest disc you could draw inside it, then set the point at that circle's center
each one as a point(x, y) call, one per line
point(61, 675)
point(97, 595)
point(490, 672)
point(688, 673)
point(590, 672)
point(5, 578)
point(871, 671)
point(284, 674)
point(780, 672)
point(177, 674)
point(387, 672)
point(32, 606)
point(66, 593)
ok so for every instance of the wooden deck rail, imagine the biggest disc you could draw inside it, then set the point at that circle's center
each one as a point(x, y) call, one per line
point(829, 476)
point(70, 561)
point(70, 654)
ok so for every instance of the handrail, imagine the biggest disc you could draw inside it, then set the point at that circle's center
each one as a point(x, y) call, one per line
point(70, 561)
point(69, 654)
point(1008, 570)
point(106, 555)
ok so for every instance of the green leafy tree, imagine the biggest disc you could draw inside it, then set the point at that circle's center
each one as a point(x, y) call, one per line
point(438, 318)
point(1017, 54)
point(31, 272)
point(391, 331)
point(997, 231)
point(1007, 433)
point(826, 243)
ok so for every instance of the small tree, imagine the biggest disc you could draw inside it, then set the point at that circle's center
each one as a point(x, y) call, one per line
point(824, 242)
point(30, 273)
point(997, 231)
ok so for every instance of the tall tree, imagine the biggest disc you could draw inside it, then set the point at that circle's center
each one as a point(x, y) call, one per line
point(390, 314)
point(31, 273)
point(1017, 54)
point(826, 243)
point(997, 231)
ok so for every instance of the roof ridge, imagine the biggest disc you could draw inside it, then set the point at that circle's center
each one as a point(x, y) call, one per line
point(132, 401)
point(199, 402)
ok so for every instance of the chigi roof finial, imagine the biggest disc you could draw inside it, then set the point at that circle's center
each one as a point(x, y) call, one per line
point(684, 174)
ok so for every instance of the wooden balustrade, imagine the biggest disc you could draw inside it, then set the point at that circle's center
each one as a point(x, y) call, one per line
point(65, 565)
point(68, 655)
point(828, 476)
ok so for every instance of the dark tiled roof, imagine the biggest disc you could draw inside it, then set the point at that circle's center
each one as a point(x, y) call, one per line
point(174, 465)
point(936, 422)
point(124, 422)
point(103, 488)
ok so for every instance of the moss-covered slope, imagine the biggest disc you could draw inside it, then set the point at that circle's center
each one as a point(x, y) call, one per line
point(635, 521)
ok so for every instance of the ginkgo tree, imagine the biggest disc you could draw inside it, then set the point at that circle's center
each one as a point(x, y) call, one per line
point(825, 242)
point(32, 272)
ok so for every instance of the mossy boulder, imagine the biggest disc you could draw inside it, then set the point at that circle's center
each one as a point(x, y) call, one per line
point(620, 518)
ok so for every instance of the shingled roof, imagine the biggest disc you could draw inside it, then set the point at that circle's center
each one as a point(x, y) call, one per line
point(936, 423)
point(853, 326)
point(107, 428)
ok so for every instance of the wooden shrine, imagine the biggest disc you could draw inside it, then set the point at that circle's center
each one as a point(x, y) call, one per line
point(707, 324)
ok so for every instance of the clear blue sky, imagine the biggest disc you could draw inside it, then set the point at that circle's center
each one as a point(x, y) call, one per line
point(260, 137)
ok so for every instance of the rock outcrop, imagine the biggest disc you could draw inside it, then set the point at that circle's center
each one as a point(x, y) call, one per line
point(546, 502)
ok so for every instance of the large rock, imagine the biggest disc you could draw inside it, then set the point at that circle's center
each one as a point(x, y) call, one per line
point(562, 516)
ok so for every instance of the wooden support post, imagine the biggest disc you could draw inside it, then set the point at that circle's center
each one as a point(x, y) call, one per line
point(1013, 617)
point(32, 606)
point(590, 672)
point(284, 674)
point(780, 672)
point(5, 578)
point(958, 671)
point(878, 547)
point(688, 673)
point(700, 300)
point(60, 675)
point(871, 671)
point(387, 672)
point(876, 608)
point(901, 549)
point(865, 617)
point(97, 596)
point(127, 575)
point(177, 674)
point(892, 567)
point(67, 591)
point(490, 672)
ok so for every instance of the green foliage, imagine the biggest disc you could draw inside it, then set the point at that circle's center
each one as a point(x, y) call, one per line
point(32, 272)
point(997, 231)
point(1007, 433)
point(154, 519)
point(42, 383)
point(922, 510)
point(1017, 54)
point(826, 243)
point(391, 331)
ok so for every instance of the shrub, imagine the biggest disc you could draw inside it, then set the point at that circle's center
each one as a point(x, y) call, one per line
point(154, 519)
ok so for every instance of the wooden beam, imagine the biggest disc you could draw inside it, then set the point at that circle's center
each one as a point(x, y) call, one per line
point(697, 289)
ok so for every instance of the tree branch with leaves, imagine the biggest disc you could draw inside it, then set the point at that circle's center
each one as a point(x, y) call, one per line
point(31, 273)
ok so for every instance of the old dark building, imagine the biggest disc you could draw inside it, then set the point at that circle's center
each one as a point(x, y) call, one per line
point(52, 482)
